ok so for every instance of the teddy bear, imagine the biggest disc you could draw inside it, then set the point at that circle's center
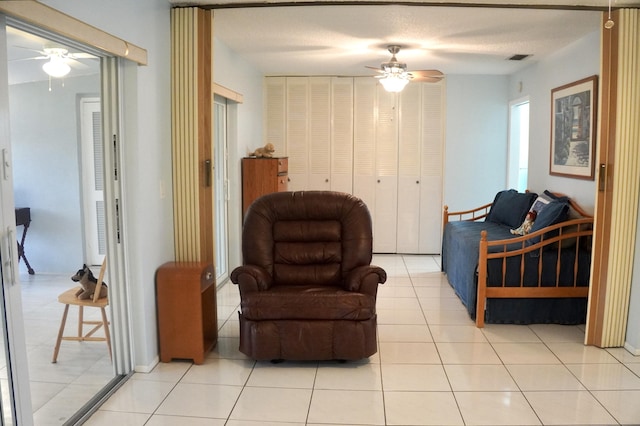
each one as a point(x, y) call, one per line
point(264, 152)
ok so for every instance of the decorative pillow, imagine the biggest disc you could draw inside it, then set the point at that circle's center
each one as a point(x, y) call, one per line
point(510, 207)
point(545, 198)
point(553, 212)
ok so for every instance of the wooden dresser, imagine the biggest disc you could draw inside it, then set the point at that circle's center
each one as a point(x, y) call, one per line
point(262, 176)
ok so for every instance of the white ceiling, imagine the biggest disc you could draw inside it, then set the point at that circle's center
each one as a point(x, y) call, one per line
point(343, 39)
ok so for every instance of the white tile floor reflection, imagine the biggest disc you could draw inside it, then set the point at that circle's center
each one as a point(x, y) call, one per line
point(83, 368)
point(433, 368)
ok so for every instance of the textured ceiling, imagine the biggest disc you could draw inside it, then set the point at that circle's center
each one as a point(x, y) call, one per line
point(343, 39)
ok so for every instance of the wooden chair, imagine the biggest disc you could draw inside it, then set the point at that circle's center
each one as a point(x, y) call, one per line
point(69, 298)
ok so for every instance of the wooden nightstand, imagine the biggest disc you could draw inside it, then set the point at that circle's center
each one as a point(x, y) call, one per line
point(187, 318)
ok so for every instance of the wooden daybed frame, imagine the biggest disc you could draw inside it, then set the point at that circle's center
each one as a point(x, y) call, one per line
point(566, 231)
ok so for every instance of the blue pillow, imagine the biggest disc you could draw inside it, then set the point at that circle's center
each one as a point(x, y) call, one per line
point(510, 207)
point(554, 212)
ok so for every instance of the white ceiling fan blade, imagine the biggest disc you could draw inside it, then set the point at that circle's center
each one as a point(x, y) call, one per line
point(81, 55)
point(29, 59)
point(76, 64)
point(31, 49)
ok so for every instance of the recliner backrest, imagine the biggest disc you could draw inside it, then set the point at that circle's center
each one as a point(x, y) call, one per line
point(307, 237)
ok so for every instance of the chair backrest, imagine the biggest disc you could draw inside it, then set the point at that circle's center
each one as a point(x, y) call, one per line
point(307, 237)
point(103, 268)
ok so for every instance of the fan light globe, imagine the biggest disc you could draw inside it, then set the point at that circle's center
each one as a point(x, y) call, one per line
point(56, 67)
point(393, 83)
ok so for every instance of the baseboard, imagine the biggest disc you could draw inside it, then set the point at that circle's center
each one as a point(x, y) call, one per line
point(147, 368)
point(631, 349)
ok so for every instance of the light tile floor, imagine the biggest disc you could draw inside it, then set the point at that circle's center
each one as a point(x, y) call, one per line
point(433, 367)
point(57, 390)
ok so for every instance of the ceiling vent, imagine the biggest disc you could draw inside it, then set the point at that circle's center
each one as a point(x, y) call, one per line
point(518, 57)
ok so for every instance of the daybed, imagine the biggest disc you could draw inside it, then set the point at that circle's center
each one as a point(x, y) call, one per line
point(540, 277)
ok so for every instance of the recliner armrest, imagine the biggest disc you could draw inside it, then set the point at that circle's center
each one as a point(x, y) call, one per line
point(365, 279)
point(251, 278)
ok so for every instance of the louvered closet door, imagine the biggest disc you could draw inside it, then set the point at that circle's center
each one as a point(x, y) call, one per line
point(364, 141)
point(275, 113)
point(319, 133)
point(297, 130)
point(409, 171)
point(432, 168)
point(386, 189)
point(341, 134)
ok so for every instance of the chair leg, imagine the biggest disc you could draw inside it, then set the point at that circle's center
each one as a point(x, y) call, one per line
point(80, 321)
point(105, 324)
point(60, 333)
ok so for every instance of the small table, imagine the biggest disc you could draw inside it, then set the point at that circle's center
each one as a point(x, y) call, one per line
point(23, 217)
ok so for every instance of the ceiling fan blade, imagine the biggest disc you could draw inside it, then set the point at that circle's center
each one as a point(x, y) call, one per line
point(427, 73)
point(81, 55)
point(427, 79)
point(31, 49)
point(29, 59)
point(76, 64)
point(374, 68)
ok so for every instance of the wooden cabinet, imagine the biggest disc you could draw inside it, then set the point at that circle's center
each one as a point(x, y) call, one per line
point(187, 317)
point(262, 176)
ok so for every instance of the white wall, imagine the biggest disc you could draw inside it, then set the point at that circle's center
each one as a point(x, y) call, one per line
point(476, 139)
point(45, 146)
point(576, 61)
point(244, 130)
point(147, 151)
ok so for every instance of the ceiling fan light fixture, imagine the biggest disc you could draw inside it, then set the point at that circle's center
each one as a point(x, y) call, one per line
point(394, 82)
point(56, 67)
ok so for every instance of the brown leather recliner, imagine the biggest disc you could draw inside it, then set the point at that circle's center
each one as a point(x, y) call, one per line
point(307, 289)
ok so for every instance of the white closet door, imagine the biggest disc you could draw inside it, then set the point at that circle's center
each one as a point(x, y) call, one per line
point(386, 192)
point(297, 131)
point(409, 173)
point(364, 141)
point(275, 114)
point(341, 134)
point(319, 133)
point(433, 126)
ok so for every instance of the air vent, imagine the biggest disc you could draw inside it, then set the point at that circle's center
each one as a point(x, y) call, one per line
point(518, 57)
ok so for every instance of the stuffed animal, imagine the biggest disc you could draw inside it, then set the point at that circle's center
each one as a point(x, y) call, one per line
point(526, 226)
point(88, 284)
point(265, 152)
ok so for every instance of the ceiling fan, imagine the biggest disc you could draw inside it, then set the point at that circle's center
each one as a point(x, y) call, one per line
point(60, 60)
point(394, 75)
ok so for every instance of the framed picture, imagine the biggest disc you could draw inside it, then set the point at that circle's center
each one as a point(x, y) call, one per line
point(573, 120)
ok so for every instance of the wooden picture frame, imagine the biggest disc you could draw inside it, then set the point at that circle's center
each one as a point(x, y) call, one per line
point(573, 129)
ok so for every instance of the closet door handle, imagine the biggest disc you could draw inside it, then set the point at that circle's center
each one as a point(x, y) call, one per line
point(207, 172)
point(602, 177)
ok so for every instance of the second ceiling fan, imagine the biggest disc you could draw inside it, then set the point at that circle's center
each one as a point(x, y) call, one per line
point(394, 75)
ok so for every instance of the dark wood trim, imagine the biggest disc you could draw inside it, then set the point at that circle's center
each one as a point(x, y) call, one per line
point(604, 198)
point(205, 132)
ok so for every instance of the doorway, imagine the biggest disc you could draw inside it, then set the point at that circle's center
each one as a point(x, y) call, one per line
point(48, 115)
point(221, 190)
point(518, 155)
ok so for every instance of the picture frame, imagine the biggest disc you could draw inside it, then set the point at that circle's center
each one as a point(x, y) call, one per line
point(573, 127)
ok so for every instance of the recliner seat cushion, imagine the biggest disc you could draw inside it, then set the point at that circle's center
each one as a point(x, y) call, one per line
point(308, 303)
